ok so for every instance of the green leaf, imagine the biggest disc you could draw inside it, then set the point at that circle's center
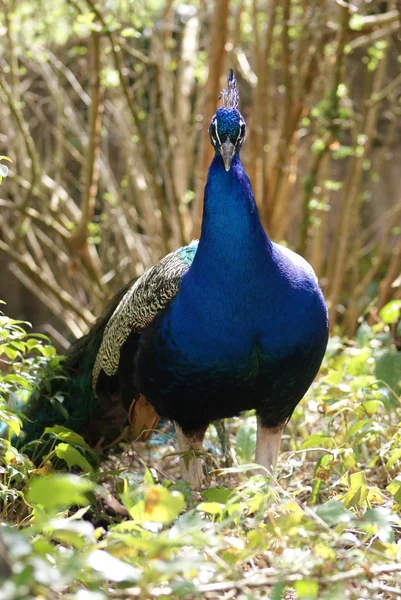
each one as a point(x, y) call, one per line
point(18, 379)
point(72, 457)
point(217, 494)
point(395, 489)
point(58, 491)
point(32, 343)
point(147, 478)
point(394, 457)
point(356, 22)
point(10, 353)
point(161, 505)
point(278, 591)
point(317, 440)
point(388, 368)
point(48, 351)
point(110, 78)
point(211, 508)
point(369, 408)
point(256, 537)
point(66, 435)
point(306, 589)
point(382, 521)
point(316, 486)
point(13, 422)
point(246, 440)
point(157, 504)
point(356, 427)
point(333, 185)
point(356, 360)
point(358, 492)
point(390, 313)
point(334, 377)
point(318, 146)
point(333, 512)
point(129, 32)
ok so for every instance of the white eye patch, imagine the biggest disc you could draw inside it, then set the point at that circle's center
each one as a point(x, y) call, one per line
point(214, 134)
point(242, 128)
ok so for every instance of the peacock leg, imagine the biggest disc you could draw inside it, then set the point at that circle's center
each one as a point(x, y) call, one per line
point(267, 446)
point(191, 465)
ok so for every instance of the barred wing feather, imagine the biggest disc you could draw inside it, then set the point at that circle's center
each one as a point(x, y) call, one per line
point(147, 296)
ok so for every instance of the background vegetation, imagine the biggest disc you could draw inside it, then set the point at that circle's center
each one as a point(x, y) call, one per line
point(328, 529)
point(104, 109)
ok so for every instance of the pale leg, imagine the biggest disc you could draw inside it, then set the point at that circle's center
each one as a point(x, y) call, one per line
point(267, 447)
point(191, 466)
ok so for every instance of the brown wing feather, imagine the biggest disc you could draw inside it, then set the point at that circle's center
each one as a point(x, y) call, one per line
point(143, 419)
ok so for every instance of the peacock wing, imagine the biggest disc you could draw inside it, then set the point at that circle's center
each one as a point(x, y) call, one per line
point(147, 296)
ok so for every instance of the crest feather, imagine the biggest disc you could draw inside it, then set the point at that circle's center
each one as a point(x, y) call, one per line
point(230, 98)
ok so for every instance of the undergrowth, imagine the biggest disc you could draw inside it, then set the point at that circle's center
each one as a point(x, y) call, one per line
point(328, 528)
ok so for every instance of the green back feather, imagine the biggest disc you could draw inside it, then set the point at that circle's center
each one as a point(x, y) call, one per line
point(68, 398)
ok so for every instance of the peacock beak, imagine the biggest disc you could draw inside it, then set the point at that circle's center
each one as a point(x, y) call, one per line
point(227, 151)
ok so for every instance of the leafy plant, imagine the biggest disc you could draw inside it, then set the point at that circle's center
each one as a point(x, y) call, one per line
point(87, 532)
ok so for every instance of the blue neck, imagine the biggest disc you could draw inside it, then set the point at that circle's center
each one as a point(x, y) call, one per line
point(236, 297)
point(232, 233)
point(233, 265)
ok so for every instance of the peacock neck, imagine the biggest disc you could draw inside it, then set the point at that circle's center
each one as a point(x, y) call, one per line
point(232, 269)
point(219, 299)
point(231, 229)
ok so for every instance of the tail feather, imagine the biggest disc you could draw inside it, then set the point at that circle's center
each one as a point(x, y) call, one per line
point(68, 399)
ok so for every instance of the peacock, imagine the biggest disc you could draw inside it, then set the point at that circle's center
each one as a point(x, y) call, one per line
point(230, 323)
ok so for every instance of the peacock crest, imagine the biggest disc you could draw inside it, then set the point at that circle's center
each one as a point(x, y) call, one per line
point(230, 97)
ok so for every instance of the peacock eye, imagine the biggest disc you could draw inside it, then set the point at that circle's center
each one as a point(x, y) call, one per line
point(243, 129)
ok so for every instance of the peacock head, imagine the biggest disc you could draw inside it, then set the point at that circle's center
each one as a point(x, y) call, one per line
point(228, 129)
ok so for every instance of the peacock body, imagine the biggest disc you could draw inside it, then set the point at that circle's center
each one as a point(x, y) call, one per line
point(232, 323)
point(245, 329)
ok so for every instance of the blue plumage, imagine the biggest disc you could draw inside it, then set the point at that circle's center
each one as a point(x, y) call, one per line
point(248, 328)
point(229, 122)
point(232, 323)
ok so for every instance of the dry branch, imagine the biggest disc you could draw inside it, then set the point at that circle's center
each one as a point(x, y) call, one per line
point(78, 241)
